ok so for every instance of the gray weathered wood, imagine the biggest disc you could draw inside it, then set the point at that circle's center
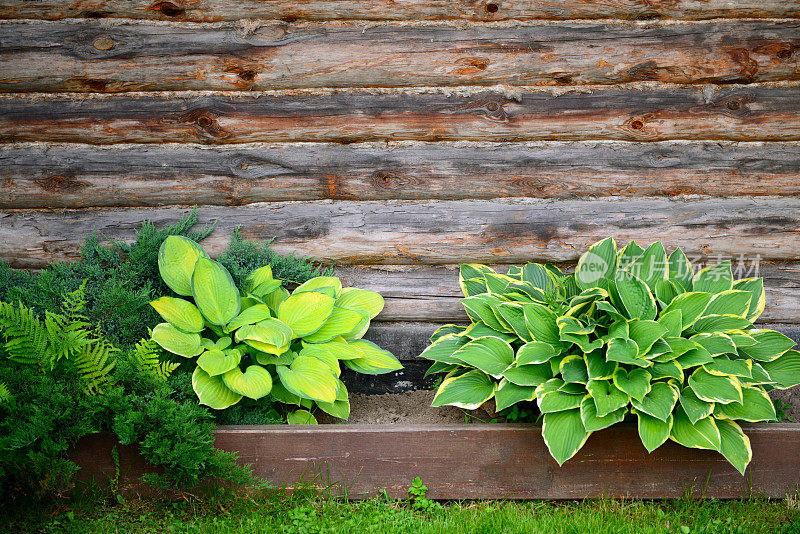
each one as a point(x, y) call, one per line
point(638, 112)
point(86, 56)
point(78, 176)
point(479, 10)
point(438, 232)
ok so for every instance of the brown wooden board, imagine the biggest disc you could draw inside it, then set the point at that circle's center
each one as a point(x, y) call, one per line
point(479, 10)
point(438, 232)
point(77, 176)
point(91, 57)
point(634, 112)
point(484, 462)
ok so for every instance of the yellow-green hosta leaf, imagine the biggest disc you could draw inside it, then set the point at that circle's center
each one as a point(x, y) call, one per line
point(659, 402)
point(714, 388)
point(305, 312)
point(469, 390)
point(714, 278)
point(596, 267)
point(274, 299)
point(695, 407)
point(597, 367)
point(734, 444)
point(258, 277)
point(373, 361)
point(508, 394)
point(769, 345)
point(212, 391)
point(324, 356)
point(340, 407)
point(338, 347)
point(731, 302)
point(255, 382)
point(784, 370)
point(251, 315)
point(489, 354)
point(214, 292)
point(341, 322)
point(564, 434)
point(593, 422)
point(653, 431)
point(309, 378)
point(284, 358)
point(320, 282)
point(635, 383)
point(300, 417)
point(754, 286)
point(528, 375)
point(281, 394)
point(636, 297)
point(692, 305)
point(186, 344)
point(217, 362)
point(270, 336)
point(755, 406)
point(360, 299)
point(703, 434)
point(176, 260)
point(180, 313)
point(607, 397)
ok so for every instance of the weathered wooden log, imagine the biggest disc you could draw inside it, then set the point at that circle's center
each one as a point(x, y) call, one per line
point(79, 176)
point(91, 57)
point(438, 232)
point(635, 112)
point(476, 10)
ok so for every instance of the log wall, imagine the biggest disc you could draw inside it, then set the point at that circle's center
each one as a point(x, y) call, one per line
point(399, 138)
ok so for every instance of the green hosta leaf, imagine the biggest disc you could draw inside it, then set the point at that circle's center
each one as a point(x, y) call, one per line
point(341, 407)
point(556, 401)
point(251, 315)
point(489, 354)
point(703, 434)
point(468, 391)
point(479, 309)
point(635, 383)
point(341, 322)
point(309, 378)
point(769, 345)
point(720, 323)
point(619, 330)
point(651, 265)
point(625, 351)
point(270, 336)
point(694, 357)
point(444, 348)
point(645, 334)
point(659, 402)
point(597, 266)
point(760, 376)
point(564, 434)
point(628, 254)
point(513, 313)
point(214, 292)
point(476, 330)
point(673, 322)
point(723, 366)
point(584, 342)
point(508, 394)
point(535, 352)
point(176, 260)
point(713, 388)
point(305, 312)
point(671, 369)
point(320, 282)
point(361, 299)
point(692, 305)
point(734, 444)
point(680, 270)
point(177, 342)
point(470, 278)
point(694, 407)
point(255, 382)
point(592, 422)
point(439, 367)
point(731, 302)
point(742, 339)
point(374, 360)
point(474, 286)
point(613, 313)
point(539, 276)
point(570, 325)
point(528, 375)
point(666, 291)
point(784, 370)
point(573, 369)
point(447, 329)
point(497, 283)
point(597, 367)
point(635, 296)
point(180, 313)
point(653, 431)
point(714, 278)
point(754, 286)
point(755, 406)
point(212, 391)
point(716, 344)
point(607, 398)
point(541, 322)
point(300, 417)
point(216, 362)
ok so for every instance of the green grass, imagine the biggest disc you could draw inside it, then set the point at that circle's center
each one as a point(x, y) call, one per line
point(304, 515)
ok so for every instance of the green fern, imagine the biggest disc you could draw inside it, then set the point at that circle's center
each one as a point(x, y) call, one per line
point(27, 339)
point(5, 394)
point(94, 362)
point(147, 355)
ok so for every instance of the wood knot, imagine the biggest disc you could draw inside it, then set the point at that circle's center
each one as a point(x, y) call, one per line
point(168, 9)
point(204, 121)
point(248, 75)
point(388, 180)
point(785, 52)
point(493, 106)
point(733, 105)
point(637, 124)
point(492, 7)
point(103, 43)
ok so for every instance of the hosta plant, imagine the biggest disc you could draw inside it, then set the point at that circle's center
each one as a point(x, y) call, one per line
point(632, 332)
point(261, 340)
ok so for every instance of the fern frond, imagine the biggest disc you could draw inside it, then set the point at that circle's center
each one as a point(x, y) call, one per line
point(5, 394)
point(94, 362)
point(27, 339)
point(147, 355)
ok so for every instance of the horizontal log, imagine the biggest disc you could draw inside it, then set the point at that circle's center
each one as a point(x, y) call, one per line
point(438, 232)
point(478, 462)
point(315, 10)
point(428, 293)
point(91, 57)
point(79, 176)
point(634, 112)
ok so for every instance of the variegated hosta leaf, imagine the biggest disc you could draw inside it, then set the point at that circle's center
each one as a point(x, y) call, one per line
point(480, 309)
point(597, 367)
point(755, 406)
point(673, 322)
point(734, 444)
point(251, 315)
point(720, 323)
point(694, 407)
point(625, 351)
point(360, 299)
point(255, 382)
point(214, 292)
point(528, 375)
point(305, 312)
point(476, 330)
point(340, 407)
point(692, 305)
point(703, 434)
point(444, 348)
point(592, 422)
point(573, 369)
point(714, 388)
point(714, 278)
point(177, 342)
point(180, 313)
point(564, 434)
point(338, 348)
point(176, 260)
point(270, 336)
point(301, 417)
point(557, 401)
point(754, 286)
point(447, 330)
point(535, 352)
point(629, 252)
point(212, 391)
point(341, 322)
point(513, 314)
point(541, 322)
point(659, 402)
point(373, 361)
point(635, 296)
point(469, 390)
point(651, 266)
point(731, 302)
point(596, 267)
point(769, 345)
point(309, 378)
point(607, 398)
point(716, 343)
point(645, 334)
point(217, 362)
point(653, 431)
point(635, 383)
point(723, 366)
point(508, 394)
point(489, 354)
point(784, 370)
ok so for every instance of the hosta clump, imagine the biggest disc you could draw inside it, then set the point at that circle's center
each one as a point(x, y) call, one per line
point(632, 331)
point(262, 340)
